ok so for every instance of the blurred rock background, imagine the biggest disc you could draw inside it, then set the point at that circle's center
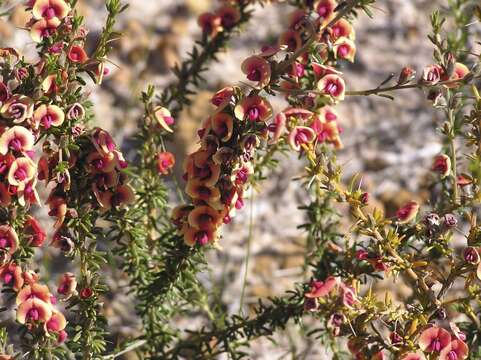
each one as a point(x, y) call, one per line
point(391, 143)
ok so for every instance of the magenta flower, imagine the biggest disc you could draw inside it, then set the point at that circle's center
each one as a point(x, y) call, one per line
point(49, 9)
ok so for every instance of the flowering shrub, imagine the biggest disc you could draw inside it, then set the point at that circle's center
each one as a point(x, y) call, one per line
point(93, 196)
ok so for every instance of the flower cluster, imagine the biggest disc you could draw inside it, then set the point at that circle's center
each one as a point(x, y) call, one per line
point(224, 18)
point(218, 172)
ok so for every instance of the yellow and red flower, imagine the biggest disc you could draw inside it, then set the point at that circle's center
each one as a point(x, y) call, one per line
point(48, 115)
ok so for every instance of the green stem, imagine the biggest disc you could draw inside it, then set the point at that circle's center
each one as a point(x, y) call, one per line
point(248, 253)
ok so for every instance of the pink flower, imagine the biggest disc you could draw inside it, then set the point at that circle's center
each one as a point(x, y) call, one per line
point(229, 16)
point(44, 28)
point(22, 171)
point(457, 332)
point(348, 295)
point(460, 71)
point(18, 139)
point(442, 165)
point(432, 74)
point(17, 108)
point(322, 70)
point(211, 24)
point(8, 239)
point(277, 127)
point(344, 48)
point(34, 233)
point(257, 69)
point(299, 136)
point(332, 85)
point(456, 350)
point(253, 108)
point(321, 288)
point(408, 212)
point(164, 118)
point(77, 54)
point(49, 9)
point(33, 310)
point(434, 339)
point(325, 9)
point(67, 285)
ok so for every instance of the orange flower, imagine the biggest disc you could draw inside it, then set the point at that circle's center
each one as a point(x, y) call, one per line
point(77, 54)
point(11, 275)
point(342, 28)
point(34, 291)
point(344, 48)
point(198, 190)
point(204, 217)
point(194, 236)
point(18, 108)
point(165, 162)
point(222, 125)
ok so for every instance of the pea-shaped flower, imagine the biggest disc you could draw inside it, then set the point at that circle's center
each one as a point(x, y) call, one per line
point(332, 85)
point(434, 339)
point(408, 212)
point(253, 108)
point(299, 136)
point(442, 165)
point(18, 139)
point(44, 28)
point(257, 69)
point(49, 9)
point(34, 291)
point(8, 239)
point(21, 171)
point(33, 310)
point(48, 115)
